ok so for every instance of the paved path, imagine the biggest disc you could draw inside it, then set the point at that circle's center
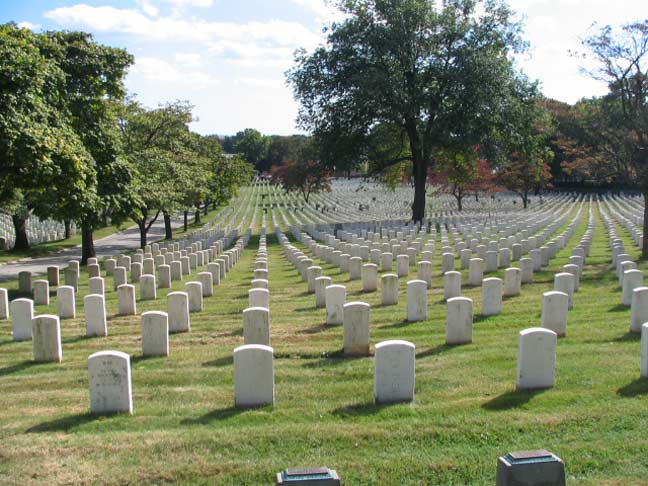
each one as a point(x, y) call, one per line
point(128, 239)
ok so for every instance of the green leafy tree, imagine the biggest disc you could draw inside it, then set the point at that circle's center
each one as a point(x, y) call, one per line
point(94, 90)
point(44, 167)
point(253, 147)
point(156, 146)
point(622, 60)
point(422, 68)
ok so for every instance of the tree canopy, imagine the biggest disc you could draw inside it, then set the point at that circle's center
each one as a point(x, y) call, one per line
point(421, 68)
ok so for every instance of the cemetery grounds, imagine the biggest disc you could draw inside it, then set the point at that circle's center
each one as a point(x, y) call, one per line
point(186, 430)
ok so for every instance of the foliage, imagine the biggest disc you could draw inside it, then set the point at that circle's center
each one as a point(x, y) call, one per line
point(253, 147)
point(44, 166)
point(412, 64)
point(461, 172)
point(306, 176)
point(622, 60)
point(519, 147)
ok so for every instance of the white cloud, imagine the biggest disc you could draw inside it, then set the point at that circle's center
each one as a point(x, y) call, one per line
point(261, 82)
point(29, 25)
point(325, 12)
point(261, 36)
point(148, 7)
point(188, 59)
point(160, 71)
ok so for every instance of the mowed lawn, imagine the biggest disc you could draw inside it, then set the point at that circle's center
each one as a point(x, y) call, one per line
point(466, 412)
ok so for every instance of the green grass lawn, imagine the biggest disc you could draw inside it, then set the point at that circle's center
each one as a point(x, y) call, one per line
point(466, 412)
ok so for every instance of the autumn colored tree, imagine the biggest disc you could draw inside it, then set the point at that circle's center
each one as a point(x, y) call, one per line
point(462, 173)
point(307, 177)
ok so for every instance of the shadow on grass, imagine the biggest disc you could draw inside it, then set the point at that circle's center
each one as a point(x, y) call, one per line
point(65, 424)
point(315, 329)
point(330, 359)
point(219, 414)
point(9, 341)
point(511, 399)
point(619, 308)
point(361, 409)
point(24, 365)
point(224, 361)
point(437, 350)
point(235, 332)
point(79, 338)
point(635, 388)
point(305, 309)
point(628, 337)
point(402, 323)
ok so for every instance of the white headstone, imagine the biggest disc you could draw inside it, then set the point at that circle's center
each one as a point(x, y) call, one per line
point(451, 284)
point(96, 285)
point(259, 298)
point(110, 383)
point(256, 326)
point(491, 296)
point(22, 314)
point(555, 306)
point(65, 302)
point(389, 284)
point(417, 301)
point(41, 292)
point(356, 329)
point(335, 301)
point(126, 300)
point(155, 333)
point(459, 320)
point(178, 312)
point(46, 338)
point(194, 291)
point(536, 359)
point(4, 304)
point(639, 313)
point(94, 308)
point(320, 291)
point(394, 368)
point(253, 376)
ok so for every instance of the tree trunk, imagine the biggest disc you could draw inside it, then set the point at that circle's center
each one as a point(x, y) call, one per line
point(20, 227)
point(459, 202)
point(525, 200)
point(197, 218)
point(168, 230)
point(68, 228)
point(644, 244)
point(87, 243)
point(206, 209)
point(186, 220)
point(142, 227)
point(105, 218)
point(420, 177)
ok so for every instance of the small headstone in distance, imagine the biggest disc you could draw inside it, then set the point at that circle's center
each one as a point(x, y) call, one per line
point(530, 468)
point(312, 476)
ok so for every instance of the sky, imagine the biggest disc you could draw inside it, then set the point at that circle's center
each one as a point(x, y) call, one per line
point(229, 57)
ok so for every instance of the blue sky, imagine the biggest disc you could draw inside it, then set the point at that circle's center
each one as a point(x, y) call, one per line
point(228, 57)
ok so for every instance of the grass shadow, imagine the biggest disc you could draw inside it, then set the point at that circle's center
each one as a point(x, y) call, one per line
point(24, 365)
point(219, 414)
point(224, 361)
point(305, 309)
point(634, 388)
point(619, 308)
point(7, 342)
point(65, 424)
point(628, 337)
point(331, 359)
point(361, 409)
point(315, 329)
point(437, 350)
point(402, 323)
point(511, 399)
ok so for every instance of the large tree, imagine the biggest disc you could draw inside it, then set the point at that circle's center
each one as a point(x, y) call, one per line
point(44, 167)
point(623, 113)
point(94, 90)
point(413, 64)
